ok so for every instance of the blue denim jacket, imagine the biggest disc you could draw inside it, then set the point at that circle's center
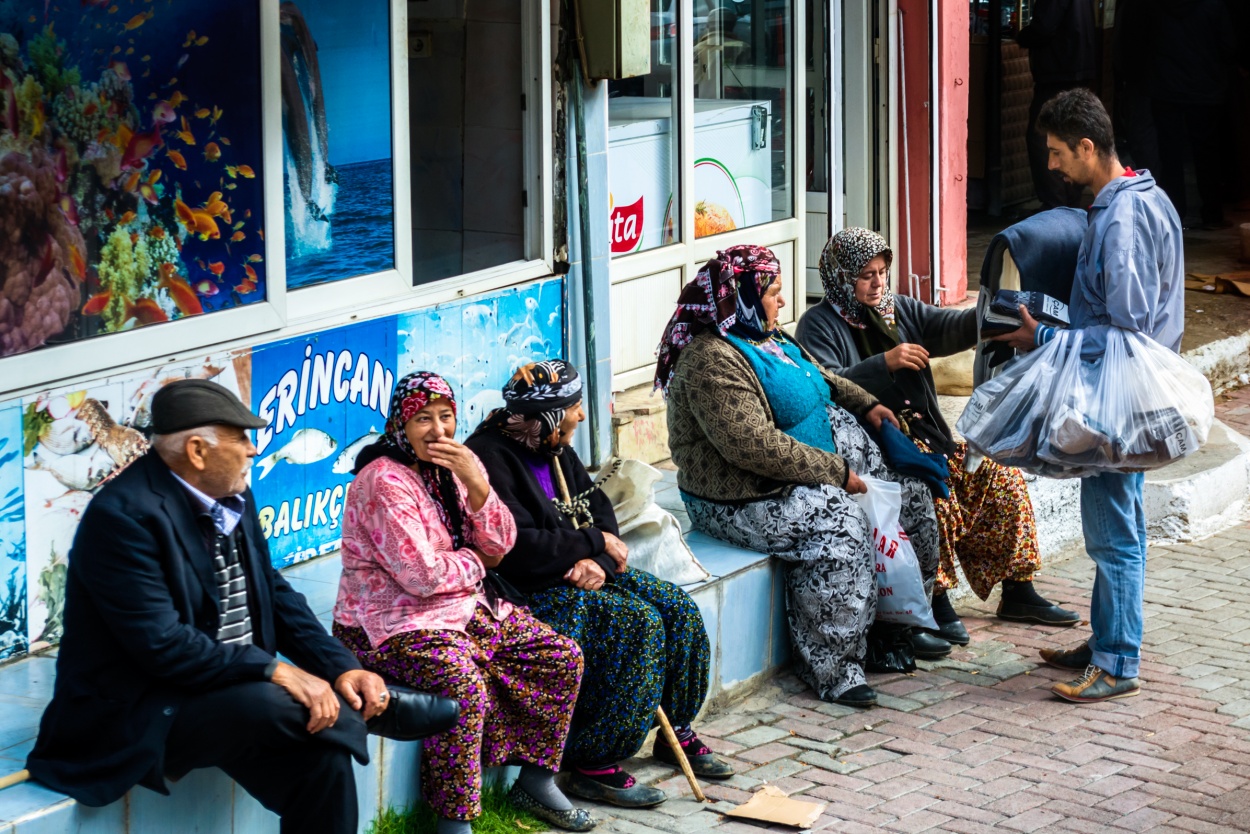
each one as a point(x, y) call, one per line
point(1130, 272)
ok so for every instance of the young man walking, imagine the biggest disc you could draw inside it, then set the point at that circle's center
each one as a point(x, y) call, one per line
point(1129, 274)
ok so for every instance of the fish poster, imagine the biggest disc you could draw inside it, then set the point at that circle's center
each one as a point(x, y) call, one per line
point(336, 126)
point(13, 635)
point(138, 125)
point(325, 397)
point(74, 441)
point(476, 344)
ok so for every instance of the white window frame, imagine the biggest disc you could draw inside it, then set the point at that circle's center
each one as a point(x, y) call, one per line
point(281, 314)
point(689, 253)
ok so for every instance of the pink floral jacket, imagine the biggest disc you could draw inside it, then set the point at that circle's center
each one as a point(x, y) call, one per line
point(399, 571)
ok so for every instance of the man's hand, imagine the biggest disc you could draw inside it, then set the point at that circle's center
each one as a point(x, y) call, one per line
point(586, 575)
point(1024, 338)
point(617, 550)
point(879, 414)
point(312, 692)
point(854, 486)
point(906, 355)
point(363, 689)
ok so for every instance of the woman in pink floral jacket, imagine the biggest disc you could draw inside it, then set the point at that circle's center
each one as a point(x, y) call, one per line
point(421, 530)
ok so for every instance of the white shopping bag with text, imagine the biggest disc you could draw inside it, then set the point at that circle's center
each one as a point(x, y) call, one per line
point(901, 597)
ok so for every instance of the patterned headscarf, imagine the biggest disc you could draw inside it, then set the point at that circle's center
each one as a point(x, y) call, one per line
point(725, 294)
point(846, 253)
point(413, 393)
point(535, 401)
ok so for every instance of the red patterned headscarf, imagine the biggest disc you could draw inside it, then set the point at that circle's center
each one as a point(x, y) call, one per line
point(725, 294)
point(413, 393)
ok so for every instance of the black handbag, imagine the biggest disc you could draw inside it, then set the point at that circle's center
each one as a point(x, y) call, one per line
point(889, 650)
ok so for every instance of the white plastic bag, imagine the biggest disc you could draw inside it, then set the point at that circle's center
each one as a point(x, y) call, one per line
point(901, 597)
point(651, 532)
point(1135, 407)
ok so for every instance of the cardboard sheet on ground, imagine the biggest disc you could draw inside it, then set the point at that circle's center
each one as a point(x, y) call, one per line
point(1237, 283)
point(769, 804)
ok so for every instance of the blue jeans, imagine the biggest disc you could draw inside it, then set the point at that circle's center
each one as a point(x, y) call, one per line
point(1114, 523)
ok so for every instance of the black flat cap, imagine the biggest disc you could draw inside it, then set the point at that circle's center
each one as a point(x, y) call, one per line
point(189, 403)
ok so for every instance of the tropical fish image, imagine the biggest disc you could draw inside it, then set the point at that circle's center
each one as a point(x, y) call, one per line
point(305, 446)
point(106, 119)
point(346, 461)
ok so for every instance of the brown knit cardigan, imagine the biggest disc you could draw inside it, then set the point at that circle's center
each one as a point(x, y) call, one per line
point(722, 434)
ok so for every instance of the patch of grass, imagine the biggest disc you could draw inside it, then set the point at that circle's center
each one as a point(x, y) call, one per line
point(499, 816)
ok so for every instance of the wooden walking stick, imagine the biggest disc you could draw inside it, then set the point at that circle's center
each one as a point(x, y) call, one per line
point(14, 779)
point(667, 729)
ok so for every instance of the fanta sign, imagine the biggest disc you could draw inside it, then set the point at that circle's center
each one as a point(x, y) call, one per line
point(625, 227)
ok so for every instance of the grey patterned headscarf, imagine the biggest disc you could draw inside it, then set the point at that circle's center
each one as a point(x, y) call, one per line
point(846, 253)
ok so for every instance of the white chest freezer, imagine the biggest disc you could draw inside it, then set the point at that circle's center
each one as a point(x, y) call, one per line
point(732, 172)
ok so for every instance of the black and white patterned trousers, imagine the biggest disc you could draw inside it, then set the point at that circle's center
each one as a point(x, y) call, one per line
point(824, 537)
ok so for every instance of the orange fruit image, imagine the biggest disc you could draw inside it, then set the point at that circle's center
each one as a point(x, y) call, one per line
point(711, 219)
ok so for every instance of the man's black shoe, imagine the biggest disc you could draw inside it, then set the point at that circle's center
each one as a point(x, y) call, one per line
point(1068, 659)
point(1044, 614)
point(412, 715)
point(926, 646)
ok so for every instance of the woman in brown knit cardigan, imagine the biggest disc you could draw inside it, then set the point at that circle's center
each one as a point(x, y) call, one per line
point(768, 450)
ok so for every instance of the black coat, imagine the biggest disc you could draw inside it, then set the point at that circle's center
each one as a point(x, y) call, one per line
point(1192, 48)
point(547, 543)
point(141, 619)
point(828, 338)
point(1062, 41)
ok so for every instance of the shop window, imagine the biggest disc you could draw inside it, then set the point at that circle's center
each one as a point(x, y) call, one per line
point(336, 149)
point(467, 111)
point(130, 178)
point(643, 186)
point(742, 114)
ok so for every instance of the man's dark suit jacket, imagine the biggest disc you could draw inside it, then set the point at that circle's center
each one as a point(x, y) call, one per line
point(141, 619)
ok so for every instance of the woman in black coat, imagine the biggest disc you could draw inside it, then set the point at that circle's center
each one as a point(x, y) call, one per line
point(643, 639)
point(883, 342)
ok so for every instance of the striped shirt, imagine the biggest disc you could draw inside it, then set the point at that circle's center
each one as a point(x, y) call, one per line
point(224, 540)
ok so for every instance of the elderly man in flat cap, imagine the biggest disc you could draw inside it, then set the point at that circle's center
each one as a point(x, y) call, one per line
point(174, 619)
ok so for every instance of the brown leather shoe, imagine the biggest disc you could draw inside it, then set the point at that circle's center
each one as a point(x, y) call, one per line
point(1096, 685)
point(1069, 660)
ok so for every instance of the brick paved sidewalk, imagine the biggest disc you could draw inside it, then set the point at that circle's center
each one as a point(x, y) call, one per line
point(1233, 407)
point(976, 743)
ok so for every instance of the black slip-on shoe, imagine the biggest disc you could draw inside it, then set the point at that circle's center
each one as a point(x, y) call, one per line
point(574, 819)
point(634, 795)
point(1053, 615)
point(703, 762)
point(926, 646)
point(412, 715)
point(953, 633)
point(861, 696)
point(1069, 659)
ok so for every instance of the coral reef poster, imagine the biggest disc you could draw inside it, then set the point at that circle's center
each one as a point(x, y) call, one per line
point(130, 165)
point(74, 442)
point(476, 344)
point(325, 396)
point(336, 123)
point(12, 536)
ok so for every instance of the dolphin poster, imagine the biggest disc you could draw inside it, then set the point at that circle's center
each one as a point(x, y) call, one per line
point(336, 124)
point(326, 396)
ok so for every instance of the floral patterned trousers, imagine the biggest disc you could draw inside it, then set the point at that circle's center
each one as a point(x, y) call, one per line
point(988, 524)
point(516, 681)
point(645, 646)
point(825, 539)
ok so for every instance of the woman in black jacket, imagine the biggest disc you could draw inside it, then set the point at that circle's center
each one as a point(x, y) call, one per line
point(883, 342)
point(643, 639)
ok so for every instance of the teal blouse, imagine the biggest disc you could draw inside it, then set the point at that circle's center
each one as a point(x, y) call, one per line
point(796, 391)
